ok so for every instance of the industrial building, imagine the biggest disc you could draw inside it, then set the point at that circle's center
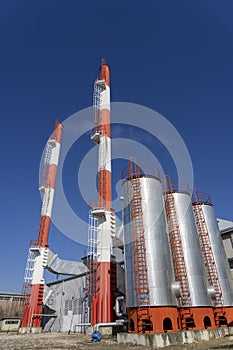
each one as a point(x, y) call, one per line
point(226, 230)
point(11, 305)
point(164, 269)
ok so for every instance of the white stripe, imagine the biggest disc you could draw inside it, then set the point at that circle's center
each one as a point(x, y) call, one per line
point(105, 99)
point(104, 153)
point(40, 262)
point(47, 203)
point(55, 153)
point(104, 241)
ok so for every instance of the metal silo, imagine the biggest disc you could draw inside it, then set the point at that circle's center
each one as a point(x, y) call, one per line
point(216, 263)
point(151, 300)
point(195, 302)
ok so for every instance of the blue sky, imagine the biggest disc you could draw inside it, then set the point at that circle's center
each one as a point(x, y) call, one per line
point(172, 56)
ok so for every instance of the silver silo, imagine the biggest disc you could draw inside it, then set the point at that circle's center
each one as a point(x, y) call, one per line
point(158, 255)
point(219, 255)
point(194, 264)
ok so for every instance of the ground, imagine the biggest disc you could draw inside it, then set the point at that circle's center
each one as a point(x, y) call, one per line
point(61, 341)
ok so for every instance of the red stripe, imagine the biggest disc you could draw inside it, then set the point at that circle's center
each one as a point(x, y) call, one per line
point(105, 189)
point(105, 73)
point(58, 132)
point(43, 233)
point(104, 122)
point(34, 307)
point(102, 303)
point(51, 178)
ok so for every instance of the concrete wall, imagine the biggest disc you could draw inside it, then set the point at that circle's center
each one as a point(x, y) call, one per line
point(165, 339)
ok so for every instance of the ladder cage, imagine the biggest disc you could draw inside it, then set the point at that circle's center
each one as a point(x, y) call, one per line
point(136, 217)
point(198, 199)
point(177, 250)
point(27, 281)
point(43, 219)
point(92, 256)
point(46, 163)
point(96, 108)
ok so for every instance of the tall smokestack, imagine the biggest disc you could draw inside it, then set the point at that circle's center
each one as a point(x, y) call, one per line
point(104, 164)
point(102, 302)
point(33, 310)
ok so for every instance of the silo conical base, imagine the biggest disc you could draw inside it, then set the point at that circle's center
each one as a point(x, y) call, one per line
point(171, 319)
point(196, 318)
point(161, 319)
point(224, 316)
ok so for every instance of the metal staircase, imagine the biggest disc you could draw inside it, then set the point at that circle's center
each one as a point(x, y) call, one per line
point(26, 290)
point(212, 273)
point(47, 160)
point(45, 187)
point(45, 203)
point(99, 86)
point(96, 103)
point(178, 257)
point(92, 256)
point(102, 180)
point(141, 275)
point(97, 132)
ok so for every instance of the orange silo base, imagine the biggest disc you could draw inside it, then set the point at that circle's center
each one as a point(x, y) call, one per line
point(225, 315)
point(171, 319)
point(197, 318)
point(161, 320)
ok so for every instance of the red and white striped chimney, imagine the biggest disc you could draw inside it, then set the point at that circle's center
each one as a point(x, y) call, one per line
point(102, 302)
point(33, 310)
point(104, 165)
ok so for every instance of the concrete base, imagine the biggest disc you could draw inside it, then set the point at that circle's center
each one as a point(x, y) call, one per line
point(103, 330)
point(36, 330)
point(89, 330)
point(160, 340)
point(26, 330)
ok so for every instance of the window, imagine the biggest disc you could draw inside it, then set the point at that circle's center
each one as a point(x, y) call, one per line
point(230, 261)
point(66, 308)
point(17, 299)
point(4, 298)
point(11, 322)
point(70, 305)
point(75, 306)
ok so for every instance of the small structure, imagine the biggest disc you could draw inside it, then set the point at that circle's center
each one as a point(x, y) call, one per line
point(9, 324)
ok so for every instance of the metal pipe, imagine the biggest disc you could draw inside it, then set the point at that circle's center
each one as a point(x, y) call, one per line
point(117, 305)
point(108, 324)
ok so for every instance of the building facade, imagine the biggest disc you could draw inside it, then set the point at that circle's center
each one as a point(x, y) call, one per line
point(226, 229)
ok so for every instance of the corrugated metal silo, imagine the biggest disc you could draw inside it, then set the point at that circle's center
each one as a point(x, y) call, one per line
point(195, 302)
point(214, 254)
point(149, 292)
